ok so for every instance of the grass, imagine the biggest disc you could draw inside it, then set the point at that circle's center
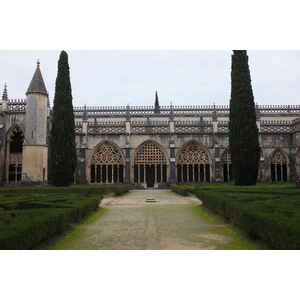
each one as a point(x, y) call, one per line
point(267, 211)
point(240, 240)
point(78, 230)
point(29, 215)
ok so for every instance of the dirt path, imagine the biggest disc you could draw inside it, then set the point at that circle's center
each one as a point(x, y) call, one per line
point(172, 222)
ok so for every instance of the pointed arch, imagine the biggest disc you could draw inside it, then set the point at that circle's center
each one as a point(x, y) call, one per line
point(193, 163)
point(107, 164)
point(227, 167)
point(278, 166)
point(150, 164)
point(14, 154)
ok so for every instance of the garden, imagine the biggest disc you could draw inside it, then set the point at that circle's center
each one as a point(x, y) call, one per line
point(30, 215)
point(267, 211)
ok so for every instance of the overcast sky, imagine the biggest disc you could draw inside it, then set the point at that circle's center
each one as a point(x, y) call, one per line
point(196, 77)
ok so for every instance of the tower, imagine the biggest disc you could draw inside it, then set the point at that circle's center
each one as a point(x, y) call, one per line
point(35, 148)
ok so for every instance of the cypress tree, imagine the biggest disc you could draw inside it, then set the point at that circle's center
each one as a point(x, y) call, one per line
point(63, 150)
point(243, 132)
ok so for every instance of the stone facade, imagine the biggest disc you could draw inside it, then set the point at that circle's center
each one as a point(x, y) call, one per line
point(145, 146)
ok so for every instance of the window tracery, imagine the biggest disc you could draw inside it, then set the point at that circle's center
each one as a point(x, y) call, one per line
point(193, 154)
point(107, 165)
point(150, 153)
point(193, 164)
point(278, 165)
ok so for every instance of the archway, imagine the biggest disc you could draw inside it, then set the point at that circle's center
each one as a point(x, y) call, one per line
point(193, 164)
point(107, 164)
point(150, 165)
point(15, 139)
point(278, 166)
point(227, 167)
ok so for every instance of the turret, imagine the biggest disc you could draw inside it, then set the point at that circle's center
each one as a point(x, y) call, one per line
point(35, 148)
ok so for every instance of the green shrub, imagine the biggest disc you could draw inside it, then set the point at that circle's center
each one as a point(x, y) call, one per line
point(120, 189)
point(26, 220)
point(273, 217)
point(180, 189)
point(28, 227)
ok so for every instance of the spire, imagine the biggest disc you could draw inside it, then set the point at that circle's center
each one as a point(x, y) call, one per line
point(37, 84)
point(156, 105)
point(5, 95)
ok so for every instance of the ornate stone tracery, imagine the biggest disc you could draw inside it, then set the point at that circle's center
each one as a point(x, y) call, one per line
point(227, 167)
point(150, 165)
point(193, 154)
point(107, 164)
point(193, 164)
point(150, 153)
point(107, 154)
point(278, 166)
point(278, 158)
point(16, 138)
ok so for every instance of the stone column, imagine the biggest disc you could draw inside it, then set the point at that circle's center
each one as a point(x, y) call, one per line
point(127, 150)
point(172, 151)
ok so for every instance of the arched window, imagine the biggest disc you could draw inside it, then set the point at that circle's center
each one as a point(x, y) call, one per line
point(227, 167)
point(278, 166)
point(107, 165)
point(150, 165)
point(193, 164)
point(15, 141)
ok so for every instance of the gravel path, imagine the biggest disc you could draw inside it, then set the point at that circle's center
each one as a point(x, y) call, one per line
point(172, 222)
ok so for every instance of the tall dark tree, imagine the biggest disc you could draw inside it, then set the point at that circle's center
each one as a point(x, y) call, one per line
point(63, 150)
point(243, 132)
point(156, 104)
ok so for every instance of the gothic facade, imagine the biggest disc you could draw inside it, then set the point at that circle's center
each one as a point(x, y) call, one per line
point(146, 146)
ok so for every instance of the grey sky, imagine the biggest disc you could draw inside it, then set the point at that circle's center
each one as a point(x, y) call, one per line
point(118, 77)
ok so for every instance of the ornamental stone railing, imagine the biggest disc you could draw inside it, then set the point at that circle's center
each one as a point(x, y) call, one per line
point(223, 126)
point(179, 110)
point(109, 127)
point(159, 127)
point(17, 105)
point(193, 127)
point(276, 126)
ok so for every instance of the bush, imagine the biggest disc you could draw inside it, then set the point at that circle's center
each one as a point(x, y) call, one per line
point(273, 217)
point(28, 227)
point(27, 220)
point(120, 189)
point(182, 190)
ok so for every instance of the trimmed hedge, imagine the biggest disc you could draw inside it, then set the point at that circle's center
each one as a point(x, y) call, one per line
point(273, 217)
point(180, 189)
point(120, 189)
point(32, 226)
point(27, 220)
point(29, 215)
point(86, 190)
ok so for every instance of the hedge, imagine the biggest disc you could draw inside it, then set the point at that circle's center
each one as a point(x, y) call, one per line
point(120, 189)
point(25, 221)
point(182, 190)
point(273, 217)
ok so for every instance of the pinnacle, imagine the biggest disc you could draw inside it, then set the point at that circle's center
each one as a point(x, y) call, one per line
point(37, 84)
point(5, 95)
